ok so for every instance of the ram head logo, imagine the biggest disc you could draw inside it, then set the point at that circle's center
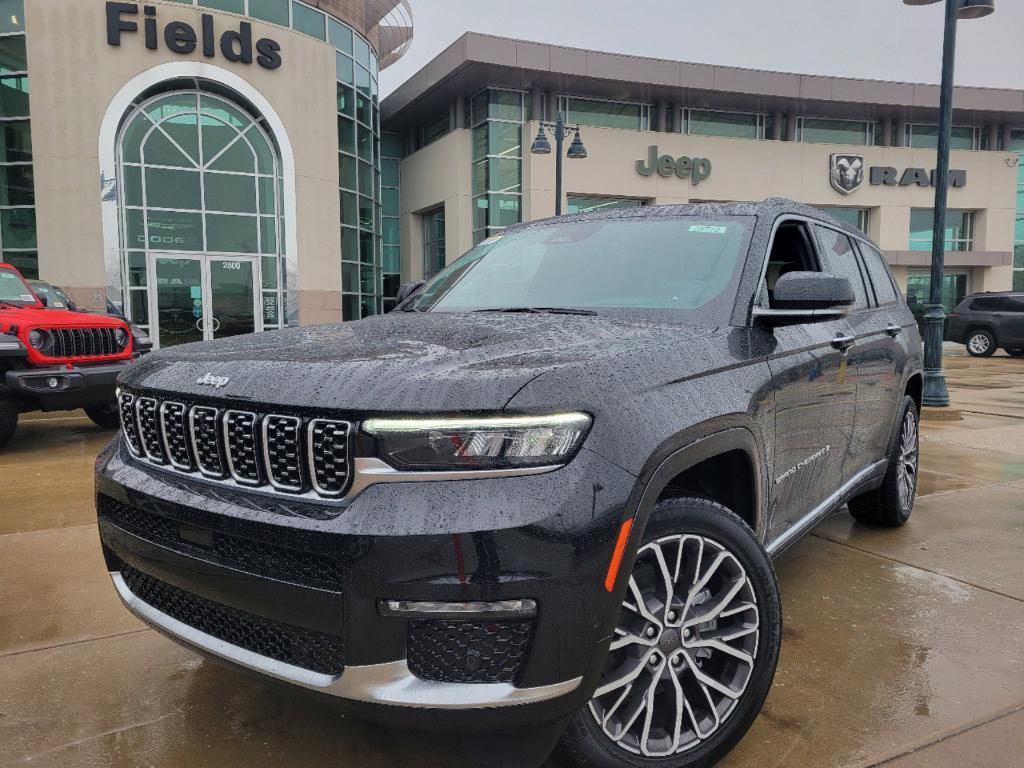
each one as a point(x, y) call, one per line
point(846, 173)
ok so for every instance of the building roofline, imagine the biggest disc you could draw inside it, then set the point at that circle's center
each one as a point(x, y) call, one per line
point(668, 80)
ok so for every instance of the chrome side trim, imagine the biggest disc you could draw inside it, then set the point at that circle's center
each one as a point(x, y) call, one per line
point(370, 471)
point(813, 517)
point(493, 610)
point(389, 683)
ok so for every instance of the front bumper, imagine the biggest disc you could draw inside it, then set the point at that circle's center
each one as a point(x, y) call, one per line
point(547, 538)
point(57, 388)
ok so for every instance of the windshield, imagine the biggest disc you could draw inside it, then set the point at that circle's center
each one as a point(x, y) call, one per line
point(689, 265)
point(14, 290)
point(55, 297)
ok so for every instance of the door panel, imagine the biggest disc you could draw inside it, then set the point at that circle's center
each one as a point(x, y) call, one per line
point(1012, 322)
point(179, 301)
point(232, 297)
point(815, 397)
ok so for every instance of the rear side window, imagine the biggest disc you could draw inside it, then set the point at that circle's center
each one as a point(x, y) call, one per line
point(987, 304)
point(1013, 304)
point(885, 291)
point(840, 258)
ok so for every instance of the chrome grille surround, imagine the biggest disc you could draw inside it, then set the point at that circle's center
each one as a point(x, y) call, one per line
point(205, 437)
point(327, 443)
point(149, 429)
point(130, 427)
point(174, 429)
point(307, 457)
point(240, 448)
point(282, 452)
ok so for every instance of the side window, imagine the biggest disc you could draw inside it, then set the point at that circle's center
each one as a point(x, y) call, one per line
point(1013, 304)
point(840, 258)
point(987, 304)
point(791, 251)
point(878, 271)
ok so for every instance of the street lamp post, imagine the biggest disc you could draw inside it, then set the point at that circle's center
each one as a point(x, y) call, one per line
point(541, 146)
point(935, 392)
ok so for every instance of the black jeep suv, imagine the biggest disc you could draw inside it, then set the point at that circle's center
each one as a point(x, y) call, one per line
point(543, 492)
point(986, 321)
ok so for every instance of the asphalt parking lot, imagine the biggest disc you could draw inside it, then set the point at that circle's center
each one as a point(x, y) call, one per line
point(901, 648)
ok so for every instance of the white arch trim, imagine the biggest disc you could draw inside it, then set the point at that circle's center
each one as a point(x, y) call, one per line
point(109, 192)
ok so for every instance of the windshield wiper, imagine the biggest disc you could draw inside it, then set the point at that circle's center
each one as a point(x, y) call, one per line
point(540, 310)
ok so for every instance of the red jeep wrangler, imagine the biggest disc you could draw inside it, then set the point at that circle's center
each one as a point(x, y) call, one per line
point(55, 360)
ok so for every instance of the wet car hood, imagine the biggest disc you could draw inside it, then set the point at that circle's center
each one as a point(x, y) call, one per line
point(410, 362)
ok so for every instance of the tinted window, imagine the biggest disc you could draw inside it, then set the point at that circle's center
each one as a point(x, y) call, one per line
point(688, 265)
point(840, 258)
point(1013, 304)
point(987, 304)
point(885, 292)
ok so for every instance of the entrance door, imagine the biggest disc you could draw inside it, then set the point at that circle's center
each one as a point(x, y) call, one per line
point(199, 298)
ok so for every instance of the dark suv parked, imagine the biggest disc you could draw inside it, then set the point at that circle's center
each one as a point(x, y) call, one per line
point(987, 321)
point(544, 492)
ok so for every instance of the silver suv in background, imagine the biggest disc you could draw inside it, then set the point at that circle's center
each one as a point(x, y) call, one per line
point(987, 321)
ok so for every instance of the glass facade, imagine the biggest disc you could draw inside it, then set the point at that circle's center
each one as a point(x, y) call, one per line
point(496, 119)
point(927, 137)
point(959, 229)
point(954, 289)
point(1017, 145)
point(433, 130)
point(589, 204)
point(732, 125)
point(855, 217)
point(17, 188)
point(433, 242)
point(604, 114)
point(825, 131)
point(390, 183)
point(199, 179)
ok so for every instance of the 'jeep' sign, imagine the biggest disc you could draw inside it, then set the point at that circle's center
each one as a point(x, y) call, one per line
point(696, 169)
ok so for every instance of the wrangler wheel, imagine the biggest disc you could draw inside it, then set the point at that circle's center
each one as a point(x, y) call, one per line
point(695, 645)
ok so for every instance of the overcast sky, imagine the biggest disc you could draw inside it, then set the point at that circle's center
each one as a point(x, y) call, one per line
point(880, 39)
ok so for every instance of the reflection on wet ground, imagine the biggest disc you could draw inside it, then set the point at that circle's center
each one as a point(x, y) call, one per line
point(901, 645)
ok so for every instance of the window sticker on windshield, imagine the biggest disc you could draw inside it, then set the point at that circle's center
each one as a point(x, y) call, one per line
point(709, 228)
point(27, 297)
point(7, 275)
point(492, 239)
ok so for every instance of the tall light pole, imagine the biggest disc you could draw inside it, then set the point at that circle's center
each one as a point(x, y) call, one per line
point(935, 392)
point(541, 146)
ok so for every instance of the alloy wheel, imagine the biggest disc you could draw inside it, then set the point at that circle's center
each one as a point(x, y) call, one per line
point(906, 468)
point(979, 343)
point(684, 649)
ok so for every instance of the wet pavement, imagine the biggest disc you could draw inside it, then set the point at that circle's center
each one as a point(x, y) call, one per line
point(901, 648)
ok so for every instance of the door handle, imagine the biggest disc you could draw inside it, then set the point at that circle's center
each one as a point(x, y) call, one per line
point(200, 326)
point(216, 324)
point(843, 342)
point(894, 330)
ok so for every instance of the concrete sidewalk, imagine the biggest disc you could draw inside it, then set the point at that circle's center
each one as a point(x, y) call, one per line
point(901, 648)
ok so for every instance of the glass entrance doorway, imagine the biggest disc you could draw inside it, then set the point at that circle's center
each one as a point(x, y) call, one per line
point(199, 298)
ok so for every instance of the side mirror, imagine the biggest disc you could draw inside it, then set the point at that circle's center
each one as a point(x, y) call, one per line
point(801, 297)
point(43, 299)
point(71, 305)
point(410, 289)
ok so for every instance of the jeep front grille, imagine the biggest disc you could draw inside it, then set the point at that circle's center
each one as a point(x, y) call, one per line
point(82, 342)
point(274, 452)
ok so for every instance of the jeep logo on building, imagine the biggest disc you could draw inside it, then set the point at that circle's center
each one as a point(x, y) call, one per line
point(696, 169)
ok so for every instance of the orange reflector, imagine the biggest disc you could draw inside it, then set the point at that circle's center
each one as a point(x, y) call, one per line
point(620, 547)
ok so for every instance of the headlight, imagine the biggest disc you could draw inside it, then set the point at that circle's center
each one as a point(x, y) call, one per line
point(121, 337)
point(40, 339)
point(500, 442)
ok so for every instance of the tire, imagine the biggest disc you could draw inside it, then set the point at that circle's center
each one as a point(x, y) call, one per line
point(891, 503)
point(1018, 352)
point(981, 343)
point(686, 531)
point(8, 422)
point(107, 415)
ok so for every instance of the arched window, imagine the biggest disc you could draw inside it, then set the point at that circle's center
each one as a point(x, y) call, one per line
point(200, 195)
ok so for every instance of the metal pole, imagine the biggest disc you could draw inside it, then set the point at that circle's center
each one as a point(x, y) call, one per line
point(935, 392)
point(559, 139)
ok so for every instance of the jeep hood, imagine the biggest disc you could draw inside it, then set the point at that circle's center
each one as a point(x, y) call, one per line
point(409, 362)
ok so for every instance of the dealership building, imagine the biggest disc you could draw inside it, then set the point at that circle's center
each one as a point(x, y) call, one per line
point(222, 166)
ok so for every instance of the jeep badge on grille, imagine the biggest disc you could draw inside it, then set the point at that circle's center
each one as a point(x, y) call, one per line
point(209, 380)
